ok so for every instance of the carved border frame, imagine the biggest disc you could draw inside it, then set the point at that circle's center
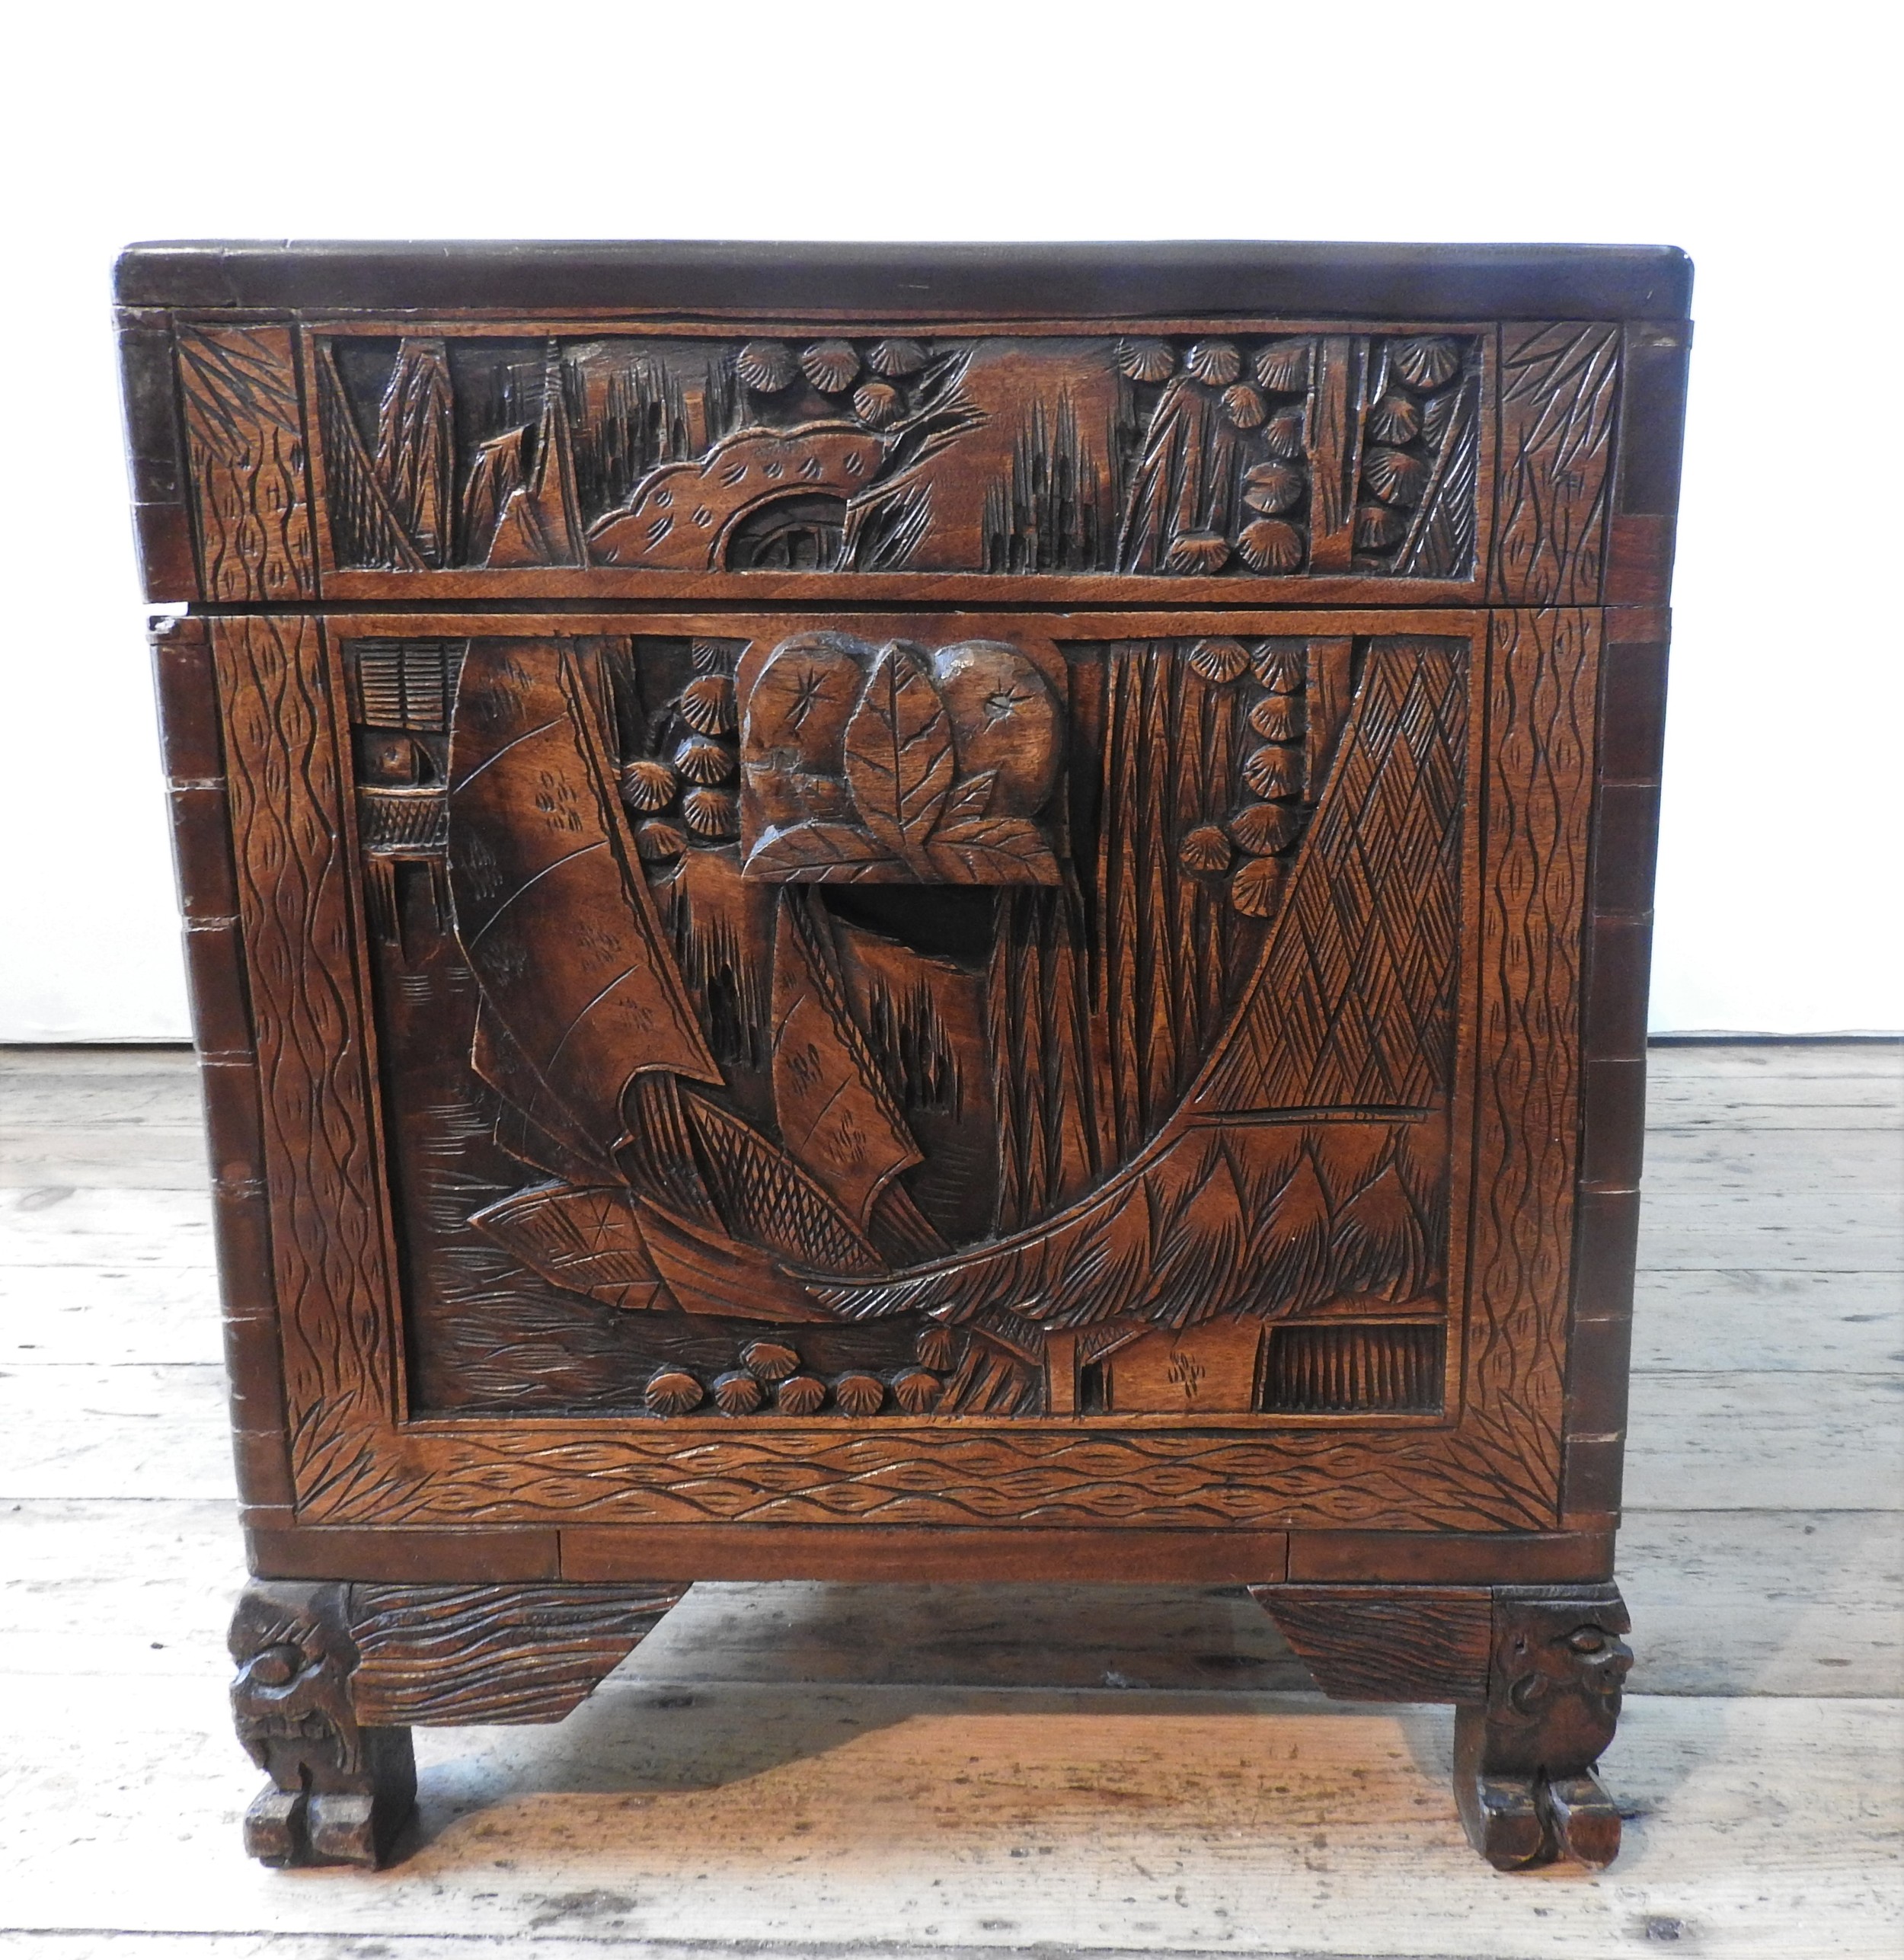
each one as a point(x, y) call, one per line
point(354, 1458)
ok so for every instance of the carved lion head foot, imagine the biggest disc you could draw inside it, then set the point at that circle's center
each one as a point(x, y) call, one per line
point(339, 1793)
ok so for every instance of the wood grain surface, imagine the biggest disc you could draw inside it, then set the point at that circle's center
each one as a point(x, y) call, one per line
point(245, 453)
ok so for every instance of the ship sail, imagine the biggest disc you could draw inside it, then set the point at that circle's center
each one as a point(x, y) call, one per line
point(836, 1113)
point(551, 910)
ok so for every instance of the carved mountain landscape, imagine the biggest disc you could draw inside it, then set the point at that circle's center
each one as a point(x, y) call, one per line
point(814, 1023)
point(1250, 454)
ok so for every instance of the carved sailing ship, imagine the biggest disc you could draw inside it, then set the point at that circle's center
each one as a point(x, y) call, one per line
point(1218, 1077)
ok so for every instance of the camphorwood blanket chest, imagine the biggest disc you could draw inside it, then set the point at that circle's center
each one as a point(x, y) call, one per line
point(915, 913)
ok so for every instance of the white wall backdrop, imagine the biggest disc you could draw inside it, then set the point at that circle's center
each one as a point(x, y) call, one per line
point(1760, 141)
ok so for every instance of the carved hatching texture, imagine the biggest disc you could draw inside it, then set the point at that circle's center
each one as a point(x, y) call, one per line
point(364, 525)
point(1543, 669)
point(1426, 1643)
point(1354, 1004)
point(1557, 388)
point(451, 1654)
point(292, 854)
point(246, 444)
point(1169, 758)
point(1338, 1365)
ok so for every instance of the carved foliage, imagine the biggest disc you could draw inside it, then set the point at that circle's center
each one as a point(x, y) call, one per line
point(1213, 438)
point(1216, 1221)
point(1416, 513)
point(894, 765)
point(245, 444)
point(680, 786)
point(1249, 453)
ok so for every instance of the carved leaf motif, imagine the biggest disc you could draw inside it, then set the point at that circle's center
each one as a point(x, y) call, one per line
point(820, 851)
point(1293, 1236)
point(1379, 1245)
point(975, 849)
point(971, 798)
point(899, 755)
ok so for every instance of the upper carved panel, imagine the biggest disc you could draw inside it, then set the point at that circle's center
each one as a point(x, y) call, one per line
point(1239, 455)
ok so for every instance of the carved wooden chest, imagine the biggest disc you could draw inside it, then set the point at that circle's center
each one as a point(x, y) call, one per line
point(916, 913)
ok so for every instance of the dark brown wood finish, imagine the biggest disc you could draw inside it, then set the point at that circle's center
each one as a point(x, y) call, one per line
point(332, 1678)
point(1631, 722)
point(1524, 1763)
point(1535, 1673)
point(222, 1030)
point(1464, 1446)
point(918, 912)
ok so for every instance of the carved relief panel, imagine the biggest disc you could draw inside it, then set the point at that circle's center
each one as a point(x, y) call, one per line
point(1237, 452)
point(1078, 1026)
point(803, 1020)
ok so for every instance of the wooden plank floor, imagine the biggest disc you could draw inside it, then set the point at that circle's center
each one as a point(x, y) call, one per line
point(808, 1769)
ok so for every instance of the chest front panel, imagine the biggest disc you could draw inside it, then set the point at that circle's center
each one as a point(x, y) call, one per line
point(1049, 1048)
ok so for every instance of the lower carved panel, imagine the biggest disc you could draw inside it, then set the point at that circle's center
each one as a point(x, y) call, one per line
point(1248, 1221)
point(962, 1008)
